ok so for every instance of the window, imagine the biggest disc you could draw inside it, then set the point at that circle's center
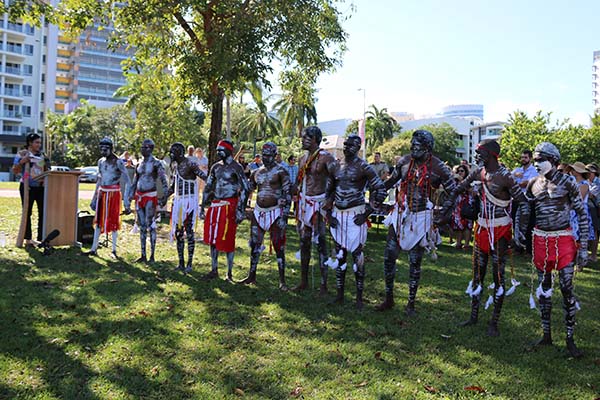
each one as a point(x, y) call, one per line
point(43, 59)
point(42, 115)
point(26, 111)
point(42, 97)
point(30, 30)
point(43, 78)
point(27, 90)
point(45, 39)
point(28, 50)
point(27, 69)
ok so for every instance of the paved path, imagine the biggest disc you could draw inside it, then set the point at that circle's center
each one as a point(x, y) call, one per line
point(83, 194)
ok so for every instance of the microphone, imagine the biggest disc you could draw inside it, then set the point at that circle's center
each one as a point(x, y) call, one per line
point(51, 236)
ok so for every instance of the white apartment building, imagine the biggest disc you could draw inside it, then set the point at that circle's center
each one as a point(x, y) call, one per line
point(477, 133)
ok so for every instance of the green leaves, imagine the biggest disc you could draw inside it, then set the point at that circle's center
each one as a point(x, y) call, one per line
point(575, 142)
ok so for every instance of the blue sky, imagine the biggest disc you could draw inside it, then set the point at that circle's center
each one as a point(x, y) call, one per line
point(419, 55)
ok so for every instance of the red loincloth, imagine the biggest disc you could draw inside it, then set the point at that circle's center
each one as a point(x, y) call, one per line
point(143, 198)
point(108, 209)
point(554, 251)
point(220, 226)
point(482, 236)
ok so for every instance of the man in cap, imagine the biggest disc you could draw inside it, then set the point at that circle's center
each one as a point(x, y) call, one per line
point(348, 214)
point(271, 211)
point(554, 195)
point(106, 201)
point(411, 224)
point(144, 191)
point(185, 210)
point(225, 195)
point(496, 187)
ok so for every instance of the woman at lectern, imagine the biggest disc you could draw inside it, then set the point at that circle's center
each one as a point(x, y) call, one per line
point(38, 163)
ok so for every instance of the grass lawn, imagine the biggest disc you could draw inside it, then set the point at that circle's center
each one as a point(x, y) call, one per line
point(79, 328)
point(15, 186)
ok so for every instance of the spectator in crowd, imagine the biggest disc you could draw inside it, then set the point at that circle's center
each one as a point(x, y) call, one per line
point(279, 160)
point(580, 174)
point(593, 206)
point(202, 160)
point(526, 171)
point(292, 169)
point(380, 167)
point(522, 175)
point(190, 154)
point(461, 226)
point(256, 163)
point(245, 166)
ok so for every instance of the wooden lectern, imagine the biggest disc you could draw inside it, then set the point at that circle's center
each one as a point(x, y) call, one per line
point(61, 198)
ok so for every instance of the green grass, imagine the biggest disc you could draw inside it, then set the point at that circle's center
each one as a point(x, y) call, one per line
point(15, 186)
point(78, 328)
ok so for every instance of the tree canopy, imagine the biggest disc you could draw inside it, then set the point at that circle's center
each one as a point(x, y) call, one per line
point(575, 142)
point(213, 46)
point(444, 147)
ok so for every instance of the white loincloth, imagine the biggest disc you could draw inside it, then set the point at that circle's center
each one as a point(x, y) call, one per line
point(308, 206)
point(266, 216)
point(413, 228)
point(184, 204)
point(347, 234)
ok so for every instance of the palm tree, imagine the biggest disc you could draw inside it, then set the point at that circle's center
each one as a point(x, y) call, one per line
point(296, 109)
point(259, 123)
point(381, 126)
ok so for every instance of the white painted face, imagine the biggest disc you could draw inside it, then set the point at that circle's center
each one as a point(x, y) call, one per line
point(543, 167)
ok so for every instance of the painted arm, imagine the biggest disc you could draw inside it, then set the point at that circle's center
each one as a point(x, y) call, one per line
point(396, 174)
point(582, 218)
point(162, 178)
point(125, 175)
point(377, 190)
point(209, 188)
point(244, 193)
point(129, 194)
point(94, 201)
point(285, 201)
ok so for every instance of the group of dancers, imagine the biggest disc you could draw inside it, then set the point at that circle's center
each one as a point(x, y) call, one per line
point(331, 196)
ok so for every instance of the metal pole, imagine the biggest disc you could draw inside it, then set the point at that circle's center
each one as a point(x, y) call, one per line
point(364, 122)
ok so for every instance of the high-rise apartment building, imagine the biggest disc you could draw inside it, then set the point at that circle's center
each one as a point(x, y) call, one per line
point(596, 82)
point(87, 69)
point(42, 70)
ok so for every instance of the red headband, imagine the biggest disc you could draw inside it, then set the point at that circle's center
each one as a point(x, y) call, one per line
point(225, 144)
point(488, 150)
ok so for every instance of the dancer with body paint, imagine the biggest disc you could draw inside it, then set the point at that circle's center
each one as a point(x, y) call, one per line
point(106, 201)
point(315, 169)
point(496, 188)
point(185, 209)
point(225, 195)
point(347, 214)
point(144, 191)
point(411, 223)
point(554, 195)
point(271, 211)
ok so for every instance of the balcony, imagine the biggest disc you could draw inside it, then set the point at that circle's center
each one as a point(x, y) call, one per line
point(13, 73)
point(12, 94)
point(12, 51)
point(14, 31)
point(12, 115)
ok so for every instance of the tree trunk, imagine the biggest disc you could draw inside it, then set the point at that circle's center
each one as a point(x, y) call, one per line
point(216, 126)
